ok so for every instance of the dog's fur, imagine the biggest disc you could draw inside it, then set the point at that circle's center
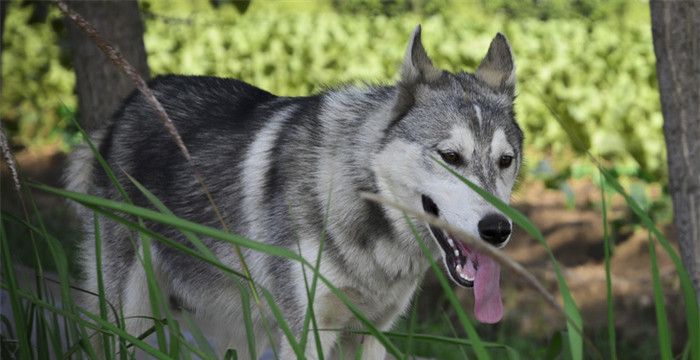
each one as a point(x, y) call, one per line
point(287, 171)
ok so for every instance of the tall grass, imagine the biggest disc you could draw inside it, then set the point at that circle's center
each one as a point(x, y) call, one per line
point(692, 306)
point(42, 326)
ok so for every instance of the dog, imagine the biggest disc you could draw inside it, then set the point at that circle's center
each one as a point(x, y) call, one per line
point(289, 171)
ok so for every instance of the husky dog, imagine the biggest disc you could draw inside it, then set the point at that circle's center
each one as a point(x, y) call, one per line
point(288, 171)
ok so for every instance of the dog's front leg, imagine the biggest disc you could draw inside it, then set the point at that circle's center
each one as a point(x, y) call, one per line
point(327, 340)
point(351, 345)
point(372, 349)
point(331, 317)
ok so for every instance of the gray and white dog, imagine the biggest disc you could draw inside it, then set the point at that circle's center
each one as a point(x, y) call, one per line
point(288, 171)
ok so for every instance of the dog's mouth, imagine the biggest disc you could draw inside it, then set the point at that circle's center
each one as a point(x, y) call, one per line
point(460, 265)
point(469, 269)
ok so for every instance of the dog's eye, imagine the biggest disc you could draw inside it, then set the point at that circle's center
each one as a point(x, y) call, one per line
point(505, 161)
point(451, 157)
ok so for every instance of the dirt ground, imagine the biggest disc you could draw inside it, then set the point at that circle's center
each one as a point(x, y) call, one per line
point(575, 235)
point(576, 239)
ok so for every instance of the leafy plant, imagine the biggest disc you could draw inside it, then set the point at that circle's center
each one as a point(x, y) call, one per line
point(605, 89)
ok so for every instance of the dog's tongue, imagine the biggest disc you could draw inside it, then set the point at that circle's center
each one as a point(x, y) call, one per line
point(488, 307)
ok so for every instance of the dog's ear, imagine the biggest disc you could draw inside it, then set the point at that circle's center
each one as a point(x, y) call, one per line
point(417, 66)
point(497, 69)
point(416, 69)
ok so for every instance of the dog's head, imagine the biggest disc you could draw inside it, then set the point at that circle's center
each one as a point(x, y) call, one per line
point(466, 121)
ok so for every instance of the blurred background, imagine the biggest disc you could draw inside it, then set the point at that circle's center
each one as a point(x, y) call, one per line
point(585, 67)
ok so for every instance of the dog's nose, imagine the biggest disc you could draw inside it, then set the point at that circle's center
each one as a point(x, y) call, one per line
point(494, 229)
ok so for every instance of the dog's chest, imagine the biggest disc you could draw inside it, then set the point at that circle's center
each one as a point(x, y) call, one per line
point(383, 306)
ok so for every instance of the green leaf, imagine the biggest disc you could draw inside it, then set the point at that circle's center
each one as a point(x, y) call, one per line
point(608, 273)
point(660, 305)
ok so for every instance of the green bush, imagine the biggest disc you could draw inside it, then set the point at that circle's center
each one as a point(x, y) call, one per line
point(598, 77)
point(390, 7)
point(558, 9)
point(35, 84)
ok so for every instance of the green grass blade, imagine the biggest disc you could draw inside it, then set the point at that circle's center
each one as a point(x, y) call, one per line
point(574, 321)
point(105, 166)
point(208, 259)
point(174, 221)
point(188, 348)
point(9, 279)
point(310, 317)
point(692, 308)
point(29, 315)
point(167, 241)
point(146, 260)
point(371, 329)
point(101, 288)
point(225, 236)
point(660, 305)
point(75, 329)
point(607, 247)
point(447, 321)
point(198, 336)
point(554, 348)
point(55, 336)
point(175, 340)
point(231, 355)
point(42, 332)
point(99, 325)
point(154, 295)
point(67, 334)
point(247, 321)
point(205, 251)
point(478, 345)
point(442, 340)
point(685, 355)
point(282, 322)
point(411, 327)
point(142, 345)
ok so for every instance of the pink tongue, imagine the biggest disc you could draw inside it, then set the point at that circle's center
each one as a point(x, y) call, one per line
point(488, 307)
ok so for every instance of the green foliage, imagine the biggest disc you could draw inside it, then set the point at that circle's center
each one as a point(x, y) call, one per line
point(558, 9)
point(598, 76)
point(389, 7)
point(35, 85)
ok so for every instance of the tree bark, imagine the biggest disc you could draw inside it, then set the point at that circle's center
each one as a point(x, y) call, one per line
point(676, 34)
point(101, 86)
point(3, 13)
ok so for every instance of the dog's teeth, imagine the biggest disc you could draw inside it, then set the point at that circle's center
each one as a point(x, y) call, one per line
point(449, 241)
point(463, 275)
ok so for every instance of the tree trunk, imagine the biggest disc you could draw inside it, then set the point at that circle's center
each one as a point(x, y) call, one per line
point(676, 33)
point(100, 85)
point(3, 13)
